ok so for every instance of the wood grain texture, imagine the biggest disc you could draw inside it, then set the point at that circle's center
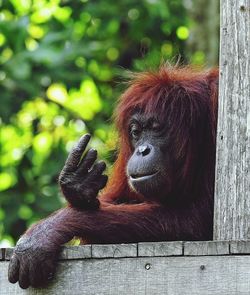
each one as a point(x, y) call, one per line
point(8, 253)
point(116, 250)
point(203, 275)
point(160, 249)
point(73, 252)
point(240, 247)
point(232, 189)
point(206, 248)
point(148, 249)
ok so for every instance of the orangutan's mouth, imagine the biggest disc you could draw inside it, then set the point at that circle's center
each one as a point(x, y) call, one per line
point(143, 176)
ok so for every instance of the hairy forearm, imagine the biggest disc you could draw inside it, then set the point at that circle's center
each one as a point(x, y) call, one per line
point(40, 245)
point(117, 224)
point(109, 224)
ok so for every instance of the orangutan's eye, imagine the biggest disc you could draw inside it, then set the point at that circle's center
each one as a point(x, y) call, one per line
point(156, 125)
point(135, 131)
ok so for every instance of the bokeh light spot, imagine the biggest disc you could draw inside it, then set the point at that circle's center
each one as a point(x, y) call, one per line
point(112, 53)
point(2, 39)
point(6, 181)
point(35, 31)
point(57, 92)
point(182, 33)
point(133, 14)
point(25, 212)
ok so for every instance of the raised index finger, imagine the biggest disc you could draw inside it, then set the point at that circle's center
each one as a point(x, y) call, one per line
point(76, 153)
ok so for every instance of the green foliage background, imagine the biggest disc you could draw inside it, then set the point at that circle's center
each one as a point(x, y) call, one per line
point(60, 67)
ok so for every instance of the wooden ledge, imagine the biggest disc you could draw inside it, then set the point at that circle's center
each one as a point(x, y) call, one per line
point(149, 249)
point(198, 268)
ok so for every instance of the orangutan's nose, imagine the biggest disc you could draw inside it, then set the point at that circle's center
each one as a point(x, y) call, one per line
point(144, 150)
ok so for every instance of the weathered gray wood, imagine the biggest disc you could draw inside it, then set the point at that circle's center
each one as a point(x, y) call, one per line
point(240, 247)
point(223, 274)
point(73, 252)
point(160, 249)
point(8, 253)
point(118, 250)
point(148, 249)
point(68, 252)
point(206, 248)
point(232, 189)
point(203, 275)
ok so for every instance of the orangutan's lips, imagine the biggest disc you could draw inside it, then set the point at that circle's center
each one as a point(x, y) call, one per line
point(139, 177)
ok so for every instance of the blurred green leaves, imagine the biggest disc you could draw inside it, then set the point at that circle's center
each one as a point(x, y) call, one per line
point(85, 101)
point(60, 67)
point(6, 181)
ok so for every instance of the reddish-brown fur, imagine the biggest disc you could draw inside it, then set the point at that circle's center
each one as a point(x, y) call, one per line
point(125, 216)
point(184, 97)
point(158, 93)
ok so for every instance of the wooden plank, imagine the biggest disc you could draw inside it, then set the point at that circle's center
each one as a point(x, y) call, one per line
point(203, 275)
point(75, 252)
point(160, 249)
point(206, 248)
point(8, 253)
point(115, 250)
point(68, 252)
point(240, 247)
point(232, 181)
point(2, 254)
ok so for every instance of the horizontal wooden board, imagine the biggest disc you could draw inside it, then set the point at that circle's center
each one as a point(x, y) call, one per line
point(114, 250)
point(76, 252)
point(148, 249)
point(196, 275)
point(240, 247)
point(206, 248)
point(160, 249)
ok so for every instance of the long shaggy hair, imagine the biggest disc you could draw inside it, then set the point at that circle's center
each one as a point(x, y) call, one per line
point(186, 100)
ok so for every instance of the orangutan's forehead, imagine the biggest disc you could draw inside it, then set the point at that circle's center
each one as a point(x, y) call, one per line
point(143, 118)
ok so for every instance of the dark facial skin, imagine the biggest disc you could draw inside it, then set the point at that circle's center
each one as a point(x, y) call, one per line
point(146, 169)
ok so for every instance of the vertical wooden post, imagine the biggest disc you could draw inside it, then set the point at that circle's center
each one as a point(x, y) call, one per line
point(232, 188)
